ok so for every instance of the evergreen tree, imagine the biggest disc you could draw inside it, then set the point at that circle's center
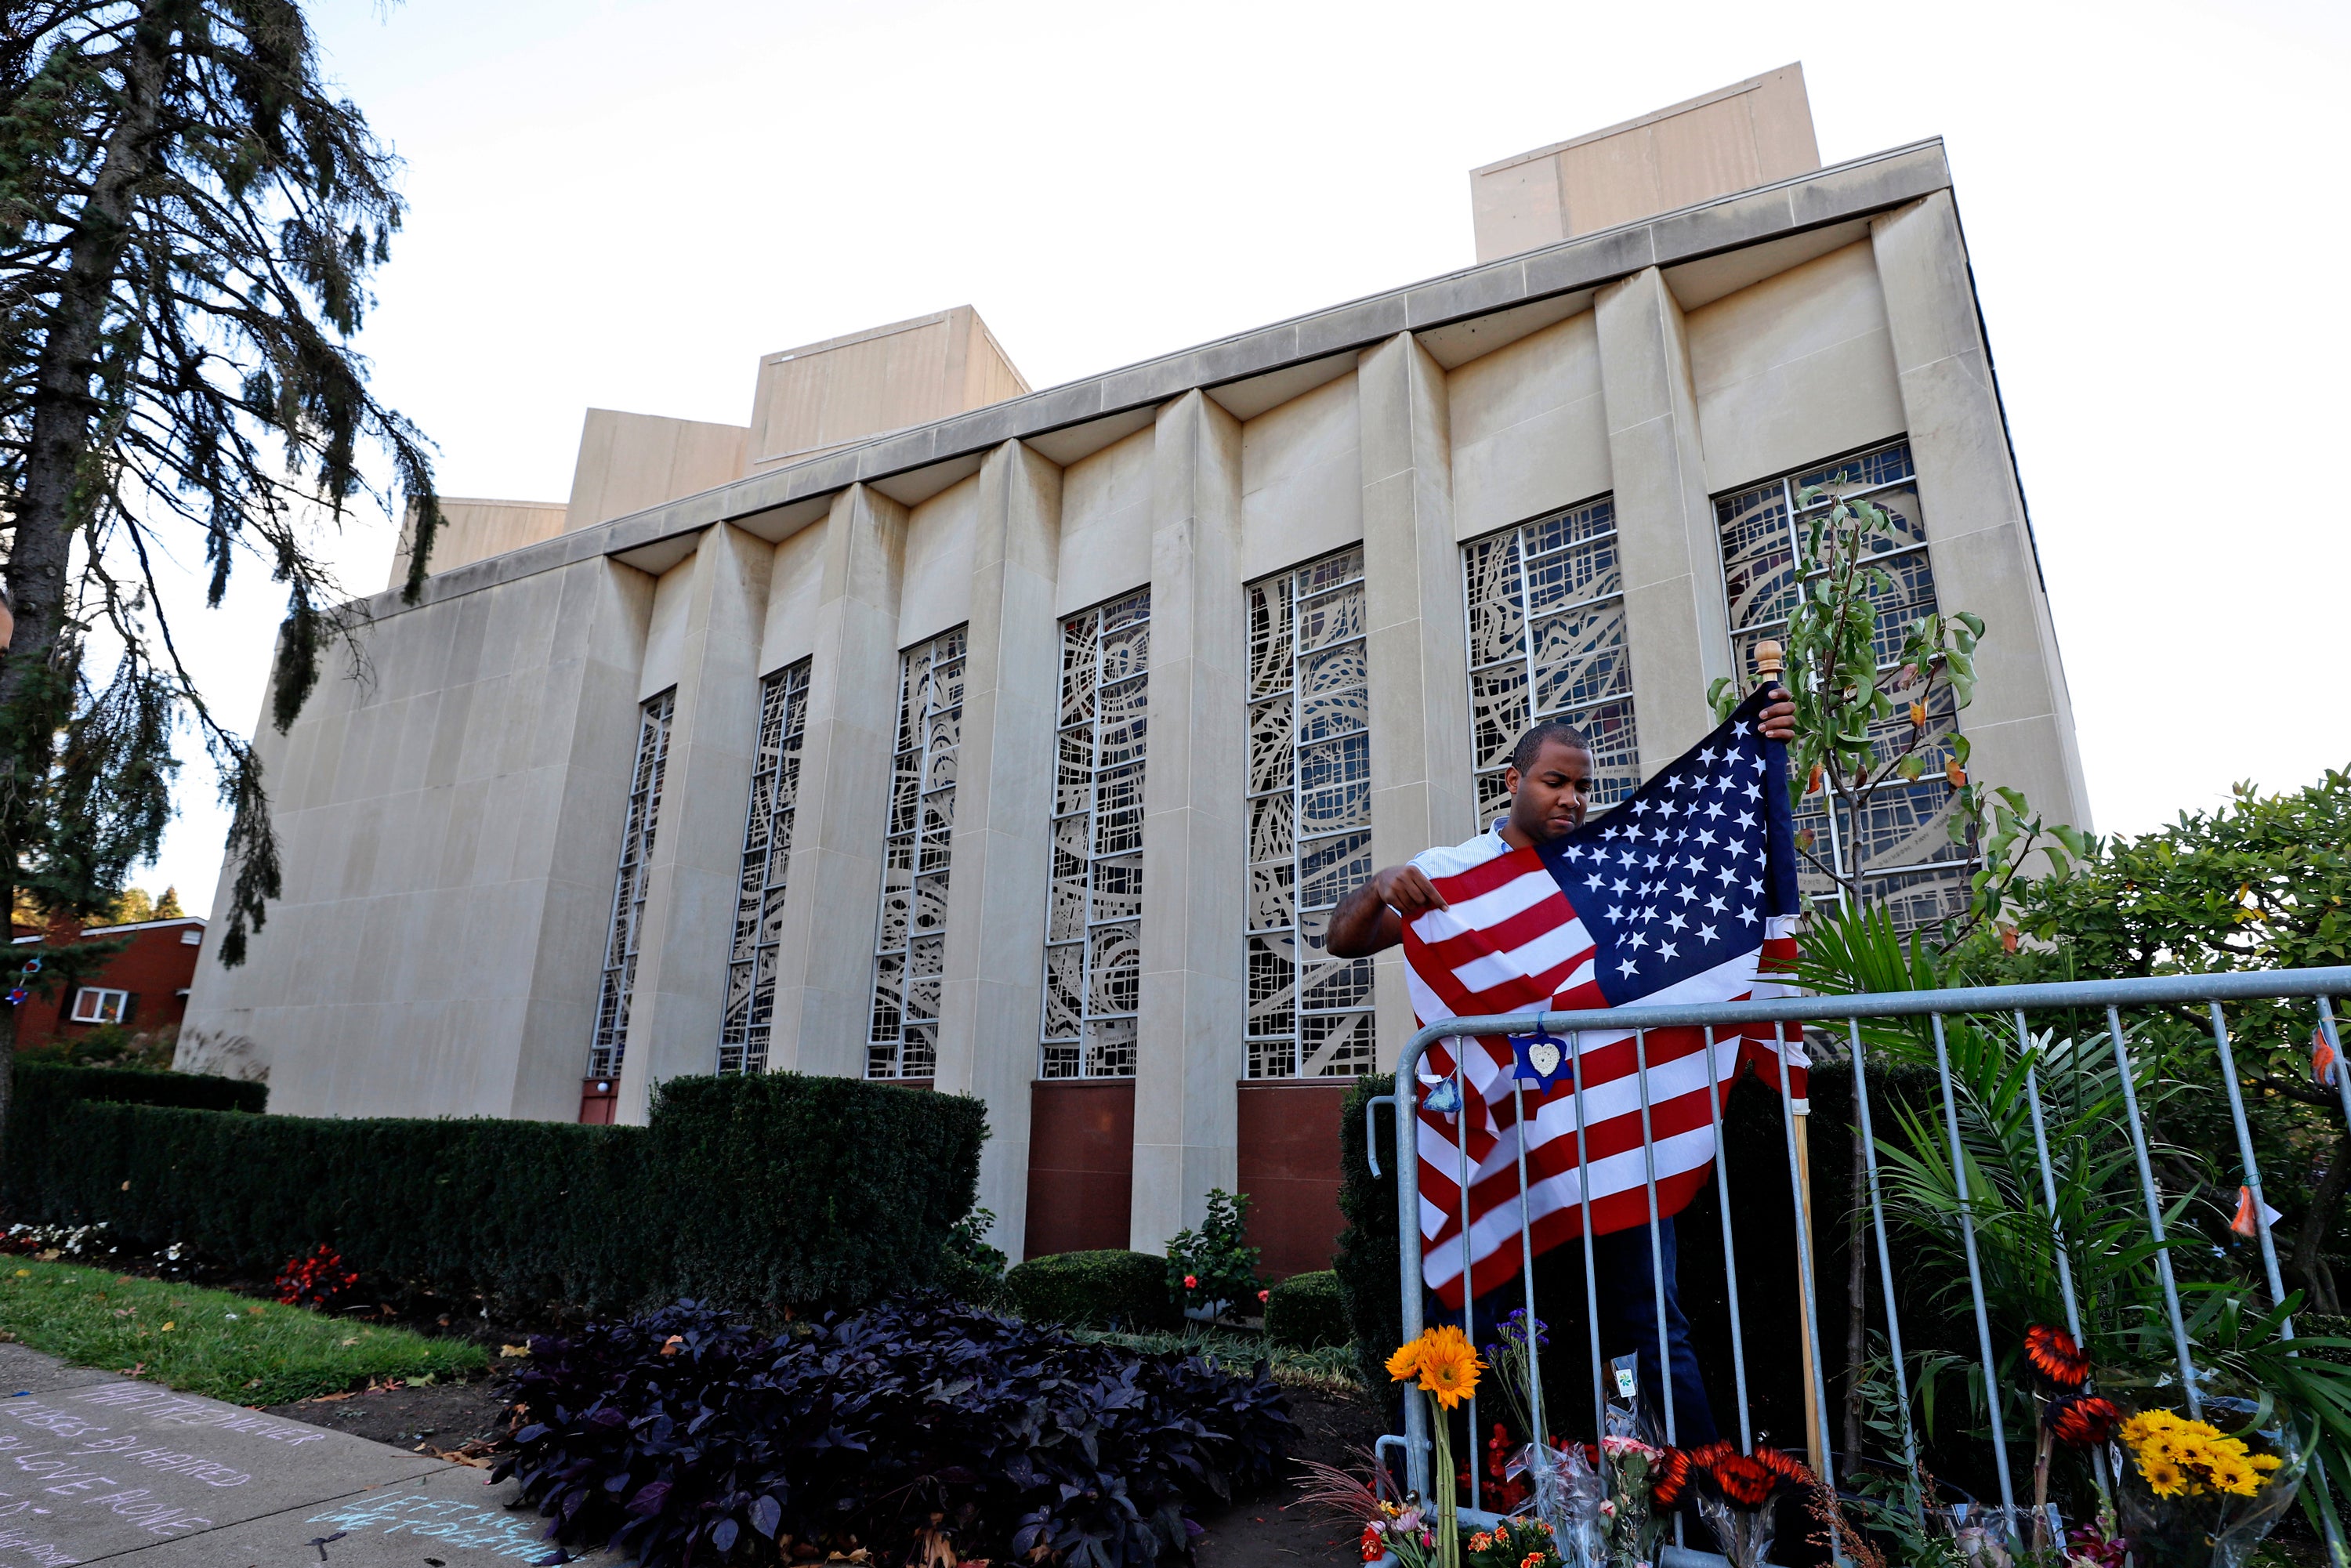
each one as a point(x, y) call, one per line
point(188, 221)
point(167, 907)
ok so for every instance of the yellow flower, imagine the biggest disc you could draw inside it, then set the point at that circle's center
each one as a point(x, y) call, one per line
point(1449, 1366)
point(2266, 1462)
point(2163, 1478)
point(1404, 1365)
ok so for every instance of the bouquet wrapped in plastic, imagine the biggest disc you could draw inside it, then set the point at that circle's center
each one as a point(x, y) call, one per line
point(2202, 1492)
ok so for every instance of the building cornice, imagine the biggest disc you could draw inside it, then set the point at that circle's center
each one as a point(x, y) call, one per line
point(1839, 194)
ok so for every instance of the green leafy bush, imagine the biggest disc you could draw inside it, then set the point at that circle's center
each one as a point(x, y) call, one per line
point(1108, 1289)
point(48, 1082)
point(970, 1269)
point(757, 1190)
point(1215, 1263)
point(1365, 1264)
point(1308, 1312)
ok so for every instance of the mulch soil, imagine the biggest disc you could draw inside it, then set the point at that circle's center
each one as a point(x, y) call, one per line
point(1274, 1529)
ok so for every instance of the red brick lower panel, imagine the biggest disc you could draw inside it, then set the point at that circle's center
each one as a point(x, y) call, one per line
point(1080, 1164)
point(1289, 1135)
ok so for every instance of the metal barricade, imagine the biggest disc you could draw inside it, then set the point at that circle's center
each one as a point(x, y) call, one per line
point(2016, 1004)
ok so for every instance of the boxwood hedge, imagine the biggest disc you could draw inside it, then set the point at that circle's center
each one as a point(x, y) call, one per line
point(1307, 1311)
point(1108, 1289)
point(756, 1191)
point(131, 1086)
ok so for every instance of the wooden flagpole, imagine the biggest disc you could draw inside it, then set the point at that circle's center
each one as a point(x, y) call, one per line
point(1767, 667)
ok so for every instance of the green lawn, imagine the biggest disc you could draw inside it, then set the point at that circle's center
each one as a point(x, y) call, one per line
point(209, 1342)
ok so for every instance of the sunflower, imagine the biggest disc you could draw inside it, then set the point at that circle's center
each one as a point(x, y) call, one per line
point(1404, 1365)
point(1449, 1366)
point(2163, 1478)
point(2055, 1356)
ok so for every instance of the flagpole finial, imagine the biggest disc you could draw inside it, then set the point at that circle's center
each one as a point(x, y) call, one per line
point(1767, 659)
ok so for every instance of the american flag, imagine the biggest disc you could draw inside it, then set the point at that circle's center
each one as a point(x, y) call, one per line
point(1683, 892)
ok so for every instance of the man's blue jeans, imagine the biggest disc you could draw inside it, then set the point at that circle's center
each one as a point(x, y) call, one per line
point(1628, 1322)
point(1624, 1287)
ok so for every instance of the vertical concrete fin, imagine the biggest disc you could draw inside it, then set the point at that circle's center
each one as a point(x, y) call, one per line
point(1665, 519)
point(825, 963)
point(1978, 534)
point(1411, 597)
point(1004, 807)
point(1194, 985)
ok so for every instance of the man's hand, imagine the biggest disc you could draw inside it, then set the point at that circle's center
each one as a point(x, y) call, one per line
point(1372, 918)
point(1777, 722)
point(1407, 891)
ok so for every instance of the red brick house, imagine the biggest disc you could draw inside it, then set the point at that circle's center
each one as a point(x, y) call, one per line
point(144, 987)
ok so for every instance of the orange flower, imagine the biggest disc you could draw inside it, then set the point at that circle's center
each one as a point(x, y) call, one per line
point(1743, 1480)
point(2084, 1421)
point(1404, 1366)
point(1671, 1476)
point(1449, 1366)
point(2056, 1356)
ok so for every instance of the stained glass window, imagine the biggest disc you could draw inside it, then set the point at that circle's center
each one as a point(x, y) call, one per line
point(766, 858)
point(1094, 925)
point(910, 946)
point(1546, 604)
point(611, 1033)
point(1309, 817)
point(1903, 837)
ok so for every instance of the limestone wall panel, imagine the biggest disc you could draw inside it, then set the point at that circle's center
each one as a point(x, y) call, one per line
point(1302, 480)
point(1529, 428)
point(795, 590)
point(1105, 525)
point(1794, 369)
point(940, 537)
point(426, 834)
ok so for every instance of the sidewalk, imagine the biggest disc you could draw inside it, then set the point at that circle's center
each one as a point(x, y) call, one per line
point(100, 1468)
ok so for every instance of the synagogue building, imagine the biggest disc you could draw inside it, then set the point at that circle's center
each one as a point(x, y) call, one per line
point(1014, 743)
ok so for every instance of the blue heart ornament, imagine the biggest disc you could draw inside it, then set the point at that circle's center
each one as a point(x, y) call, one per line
point(1540, 1059)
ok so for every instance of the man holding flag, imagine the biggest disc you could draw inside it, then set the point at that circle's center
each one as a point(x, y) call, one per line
point(1683, 892)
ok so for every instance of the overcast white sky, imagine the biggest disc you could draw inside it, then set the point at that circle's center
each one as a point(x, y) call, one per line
point(623, 204)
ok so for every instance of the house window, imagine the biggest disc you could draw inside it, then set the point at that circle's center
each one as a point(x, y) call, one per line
point(767, 856)
point(1546, 606)
point(91, 1004)
point(1904, 839)
point(1093, 923)
point(612, 1035)
point(1309, 817)
point(910, 948)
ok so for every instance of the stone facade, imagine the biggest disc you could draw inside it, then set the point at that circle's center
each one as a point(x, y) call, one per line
point(452, 825)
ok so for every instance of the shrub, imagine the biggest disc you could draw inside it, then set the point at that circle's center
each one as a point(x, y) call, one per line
point(48, 1082)
point(919, 1431)
point(1215, 1263)
point(761, 1190)
point(970, 1270)
point(1366, 1261)
point(1307, 1311)
point(1109, 1288)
